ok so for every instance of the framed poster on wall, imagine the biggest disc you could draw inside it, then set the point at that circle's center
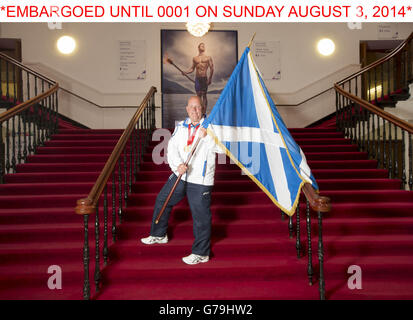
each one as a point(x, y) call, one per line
point(132, 64)
point(194, 66)
point(267, 57)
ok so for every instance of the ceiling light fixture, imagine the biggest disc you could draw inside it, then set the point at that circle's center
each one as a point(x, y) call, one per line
point(198, 29)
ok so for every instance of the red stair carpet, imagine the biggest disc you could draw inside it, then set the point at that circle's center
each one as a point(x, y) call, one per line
point(370, 225)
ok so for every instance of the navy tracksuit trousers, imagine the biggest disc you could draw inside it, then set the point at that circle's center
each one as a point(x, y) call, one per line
point(199, 199)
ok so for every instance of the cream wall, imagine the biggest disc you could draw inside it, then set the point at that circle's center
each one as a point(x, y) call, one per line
point(92, 70)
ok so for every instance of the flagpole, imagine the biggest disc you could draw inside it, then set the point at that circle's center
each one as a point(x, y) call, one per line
point(249, 44)
point(183, 73)
point(177, 181)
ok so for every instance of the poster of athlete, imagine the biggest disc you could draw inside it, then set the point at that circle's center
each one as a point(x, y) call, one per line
point(194, 66)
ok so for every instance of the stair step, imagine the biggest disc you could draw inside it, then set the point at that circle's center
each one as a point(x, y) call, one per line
point(240, 241)
point(247, 289)
point(314, 164)
point(349, 210)
point(148, 157)
point(162, 175)
point(240, 184)
point(244, 198)
point(207, 290)
point(57, 188)
point(92, 149)
point(259, 266)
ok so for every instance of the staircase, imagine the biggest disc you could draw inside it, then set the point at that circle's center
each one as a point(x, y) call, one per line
point(38, 226)
point(370, 225)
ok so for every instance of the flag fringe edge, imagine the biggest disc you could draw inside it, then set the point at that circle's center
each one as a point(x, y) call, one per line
point(251, 176)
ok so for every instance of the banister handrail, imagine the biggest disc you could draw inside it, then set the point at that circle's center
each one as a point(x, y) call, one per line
point(360, 115)
point(372, 108)
point(94, 103)
point(27, 124)
point(22, 66)
point(87, 205)
point(137, 134)
point(27, 104)
point(51, 81)
point(380, 61)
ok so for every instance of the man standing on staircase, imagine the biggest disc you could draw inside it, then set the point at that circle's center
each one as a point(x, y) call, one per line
point(196, 183)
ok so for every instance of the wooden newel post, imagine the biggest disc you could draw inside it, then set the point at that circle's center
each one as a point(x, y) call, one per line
point(320, 205)
point(85, 207)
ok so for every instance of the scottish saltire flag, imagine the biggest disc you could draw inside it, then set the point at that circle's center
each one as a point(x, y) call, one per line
point(246, 124)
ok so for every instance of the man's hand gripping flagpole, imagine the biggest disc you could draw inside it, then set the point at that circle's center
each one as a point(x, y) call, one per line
point(177, 181)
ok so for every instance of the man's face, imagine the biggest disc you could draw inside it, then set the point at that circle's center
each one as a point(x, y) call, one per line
point(194, 109)
point(201, 47)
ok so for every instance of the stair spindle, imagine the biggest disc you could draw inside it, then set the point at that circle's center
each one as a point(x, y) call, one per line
point(57, 114)
point(379, 148)
point(309, 251)
point(120, 190)
point(97, 250)
point(7, 81)
point(14, 86)
point(105, 222)
point(133, 154)
point(375, 85)
point(362, 128)
point(1, 77)
point(385, 145)
point(368, 132)
point(19, 143)
point(2, 154)
point(13, 134)
point(410, 162)
point(298, 236)
point(404, 177)
point(125, 171)
point(390, 156)
point(388, 79)
point(321, 257)
point(396, 154)
point(86, 282)
point(337, 112)
point(25, 122)
point(290, 227)
point(113, 207)
point(382, 83)
point(8, 161)
point(373, 132)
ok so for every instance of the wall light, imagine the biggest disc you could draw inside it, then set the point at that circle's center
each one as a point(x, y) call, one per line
point(66, 44)
point(198, 29)
point(326, 47)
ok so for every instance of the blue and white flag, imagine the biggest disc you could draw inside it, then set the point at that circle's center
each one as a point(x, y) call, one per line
point(246, 124)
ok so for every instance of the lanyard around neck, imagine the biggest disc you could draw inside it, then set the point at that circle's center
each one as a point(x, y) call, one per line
point(191, 137)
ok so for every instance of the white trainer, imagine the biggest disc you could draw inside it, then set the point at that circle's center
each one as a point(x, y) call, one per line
point(153, 240)
point(195, 259)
